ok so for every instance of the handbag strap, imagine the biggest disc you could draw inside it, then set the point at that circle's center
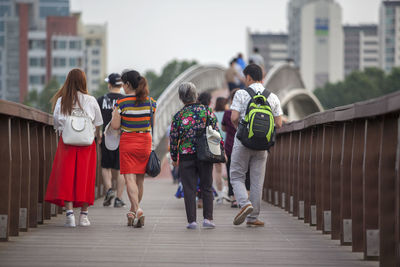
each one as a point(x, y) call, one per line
point(151, 116)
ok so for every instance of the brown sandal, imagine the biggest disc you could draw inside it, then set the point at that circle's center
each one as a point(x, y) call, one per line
point(131, 218)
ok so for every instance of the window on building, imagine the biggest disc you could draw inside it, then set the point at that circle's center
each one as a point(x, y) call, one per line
point(95, 52)
point(95, 62)
point(59, 44)
point(73, 62)
point(59, 62)
point(5, 11)
point(46, 11)
point(370, 60)
point(75, 45)
point(37, 44)
point(95, 72)
point(1, 41)
point(37, 79)
point(371, 51)
point(79, 61)
point(88, 42)
point(98, 41)
point(370, 43)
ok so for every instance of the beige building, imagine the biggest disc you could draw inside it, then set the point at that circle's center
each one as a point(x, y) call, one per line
point(389, 34)
point(318, 46)
point(95, 49)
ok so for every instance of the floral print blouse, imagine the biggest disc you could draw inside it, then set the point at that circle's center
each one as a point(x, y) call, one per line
point(185, 126)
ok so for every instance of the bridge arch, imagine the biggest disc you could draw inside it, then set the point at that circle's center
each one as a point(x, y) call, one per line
point(285, 81)
point(205, 77)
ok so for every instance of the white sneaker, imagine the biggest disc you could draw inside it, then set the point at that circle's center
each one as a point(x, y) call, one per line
point(219, 200)
point(84, 220)
point(70, 221)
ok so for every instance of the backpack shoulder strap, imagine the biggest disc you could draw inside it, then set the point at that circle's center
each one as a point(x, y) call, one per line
point(250, 92)
point(266, 93)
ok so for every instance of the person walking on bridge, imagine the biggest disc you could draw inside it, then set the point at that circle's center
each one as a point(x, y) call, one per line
point(73, 175)
point(185, 126)
point(243, 157)
point(110, 158)
point(132, 115)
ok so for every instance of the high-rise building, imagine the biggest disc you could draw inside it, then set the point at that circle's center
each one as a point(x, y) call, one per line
point(316, 40)
point(360, 47)
point(40, 41)
point(95, 38)
point(273, 47)
point(389, 34)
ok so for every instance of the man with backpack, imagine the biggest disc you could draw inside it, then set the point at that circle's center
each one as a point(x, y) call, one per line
point(256, 113)
point(110, 158)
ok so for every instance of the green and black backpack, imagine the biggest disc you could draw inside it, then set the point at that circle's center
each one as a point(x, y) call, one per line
point(257, 130)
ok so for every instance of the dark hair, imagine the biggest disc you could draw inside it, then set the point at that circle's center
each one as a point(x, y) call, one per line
point(254, 71)
point(204, 98)
point(240, 55)
point(255, 49)
point(220, 104)
point(76, 81)
point(137, 82)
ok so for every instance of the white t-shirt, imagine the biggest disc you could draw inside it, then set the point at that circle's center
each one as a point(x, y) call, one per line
point(242, 98)
point(89, 105)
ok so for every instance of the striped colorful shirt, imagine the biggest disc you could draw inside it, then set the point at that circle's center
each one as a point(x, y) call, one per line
point(135, 117)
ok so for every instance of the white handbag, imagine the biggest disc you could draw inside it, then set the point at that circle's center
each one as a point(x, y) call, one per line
point(213, 140)
point(78, 129)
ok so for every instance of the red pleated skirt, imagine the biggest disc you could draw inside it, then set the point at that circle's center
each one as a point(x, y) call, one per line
point(134, 152)
point(73, 175)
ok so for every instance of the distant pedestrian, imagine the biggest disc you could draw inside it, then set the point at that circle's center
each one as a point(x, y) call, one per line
point(132, 116)
point(257, 58)
point(73, 175)
point(185, 127)
point(241, 61)
point(230, 130)
point(205, 99)
point(232, 76)
point(110, 158)
point(243, 157)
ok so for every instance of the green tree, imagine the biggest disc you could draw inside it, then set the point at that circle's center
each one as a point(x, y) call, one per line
point(103, 89)
point(359, 86)
point(41, 100)
point(46, 94)
point(173, 69)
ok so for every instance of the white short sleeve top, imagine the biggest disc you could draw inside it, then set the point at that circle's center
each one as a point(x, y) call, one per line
point(89, 105)
point(242, 98)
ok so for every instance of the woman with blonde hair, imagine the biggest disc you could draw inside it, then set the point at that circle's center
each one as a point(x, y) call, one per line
point(132, 115)
point(73, 175)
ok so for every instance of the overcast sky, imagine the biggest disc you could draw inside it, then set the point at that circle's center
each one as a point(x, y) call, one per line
point(146, 34)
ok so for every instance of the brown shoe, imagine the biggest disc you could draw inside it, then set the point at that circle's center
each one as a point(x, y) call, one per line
point(241, 216)
point(256, 223)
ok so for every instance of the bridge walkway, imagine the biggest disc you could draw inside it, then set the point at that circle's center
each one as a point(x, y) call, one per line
point(164, 241)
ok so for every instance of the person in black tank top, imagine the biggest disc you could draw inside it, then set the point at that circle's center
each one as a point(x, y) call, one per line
point(110, 158)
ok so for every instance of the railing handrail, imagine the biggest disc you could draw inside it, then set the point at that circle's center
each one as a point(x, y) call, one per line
point(25, 112)
point(368, 108)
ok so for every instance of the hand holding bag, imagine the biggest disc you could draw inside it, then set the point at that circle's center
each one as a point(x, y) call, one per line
point(153, 167)
point(208, 145)
point(78, 129)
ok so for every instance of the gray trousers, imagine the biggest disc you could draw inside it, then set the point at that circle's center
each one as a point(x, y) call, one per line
point(242, 158)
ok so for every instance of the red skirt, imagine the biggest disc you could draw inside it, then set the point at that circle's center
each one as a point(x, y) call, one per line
point(73, 175)
point(134, 152)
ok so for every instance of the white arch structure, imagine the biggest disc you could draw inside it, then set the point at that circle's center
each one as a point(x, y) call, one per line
point(297, 102)
point(283, 79)
point(205, 77)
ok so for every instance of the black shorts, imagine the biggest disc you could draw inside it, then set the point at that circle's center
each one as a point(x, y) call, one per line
point(109, 158)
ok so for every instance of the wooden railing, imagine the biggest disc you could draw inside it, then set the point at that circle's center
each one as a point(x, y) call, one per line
point(28, 144)
point(339, 170)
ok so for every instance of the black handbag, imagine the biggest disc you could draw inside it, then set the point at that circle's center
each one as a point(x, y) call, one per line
point(153, 167)
point(202, 148)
